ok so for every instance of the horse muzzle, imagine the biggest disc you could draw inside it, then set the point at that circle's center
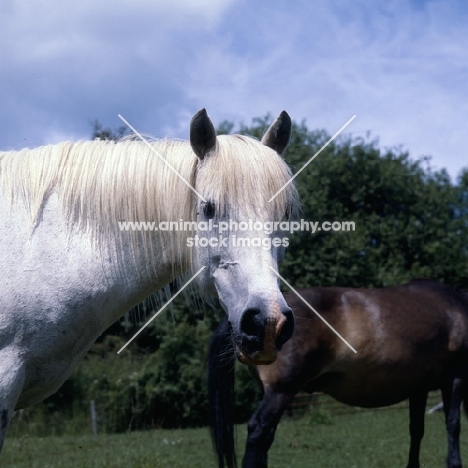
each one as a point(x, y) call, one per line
point(262, 334)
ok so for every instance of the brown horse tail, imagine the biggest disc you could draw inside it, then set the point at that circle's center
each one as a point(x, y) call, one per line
point(221, 361)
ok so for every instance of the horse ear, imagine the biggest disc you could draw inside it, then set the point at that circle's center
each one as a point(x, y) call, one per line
point(278, 135)
point(202, 134)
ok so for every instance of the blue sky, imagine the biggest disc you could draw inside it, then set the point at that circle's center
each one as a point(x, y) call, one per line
point(401, 66)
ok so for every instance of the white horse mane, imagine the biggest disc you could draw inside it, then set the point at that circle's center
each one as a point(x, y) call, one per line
point(99, 183)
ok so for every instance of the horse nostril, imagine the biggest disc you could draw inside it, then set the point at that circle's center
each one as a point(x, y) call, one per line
point(251, 323)
point(259, 333)
point(287, 329)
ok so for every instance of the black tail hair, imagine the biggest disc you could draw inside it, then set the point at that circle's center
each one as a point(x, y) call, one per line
point(221, 362)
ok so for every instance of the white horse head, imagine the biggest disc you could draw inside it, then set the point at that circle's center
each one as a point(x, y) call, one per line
point(237, 176)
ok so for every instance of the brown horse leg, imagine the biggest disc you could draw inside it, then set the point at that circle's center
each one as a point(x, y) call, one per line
point(417, 408)
point(452, 395)
point(262, 428)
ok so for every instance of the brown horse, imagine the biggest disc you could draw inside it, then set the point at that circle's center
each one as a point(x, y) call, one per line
point(410, 339)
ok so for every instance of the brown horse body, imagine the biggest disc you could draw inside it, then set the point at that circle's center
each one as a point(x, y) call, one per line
point(410, 339)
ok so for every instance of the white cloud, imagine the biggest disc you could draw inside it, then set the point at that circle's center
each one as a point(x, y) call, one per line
point(402, 71)
point(399, 65)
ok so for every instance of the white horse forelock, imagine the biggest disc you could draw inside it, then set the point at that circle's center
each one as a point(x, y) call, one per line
point(244, 175)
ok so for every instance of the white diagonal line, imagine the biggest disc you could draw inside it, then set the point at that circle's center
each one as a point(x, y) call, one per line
point(314, 311)
point(159, 155)
point(313, 157)
point(160, 310)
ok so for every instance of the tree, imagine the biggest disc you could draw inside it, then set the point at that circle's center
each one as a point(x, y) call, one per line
point(100, 133)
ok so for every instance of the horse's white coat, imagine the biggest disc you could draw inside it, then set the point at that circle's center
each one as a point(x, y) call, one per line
point(66, 273)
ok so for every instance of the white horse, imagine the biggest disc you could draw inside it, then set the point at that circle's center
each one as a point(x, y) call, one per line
point(67, 271)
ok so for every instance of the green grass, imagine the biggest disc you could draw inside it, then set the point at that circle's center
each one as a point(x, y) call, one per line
point(159, 448)
point(369, 439)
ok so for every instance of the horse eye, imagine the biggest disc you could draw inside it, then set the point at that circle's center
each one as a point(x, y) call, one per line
point(209, 210)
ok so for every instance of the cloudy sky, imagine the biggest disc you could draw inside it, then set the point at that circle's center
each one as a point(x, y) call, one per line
point(401, 66)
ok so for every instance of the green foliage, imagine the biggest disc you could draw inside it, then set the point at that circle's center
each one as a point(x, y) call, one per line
point(409, 220)
point(164, 388)
point(101, 133)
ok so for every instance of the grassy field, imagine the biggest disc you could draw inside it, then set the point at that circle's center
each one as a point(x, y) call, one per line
point(369, 439)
